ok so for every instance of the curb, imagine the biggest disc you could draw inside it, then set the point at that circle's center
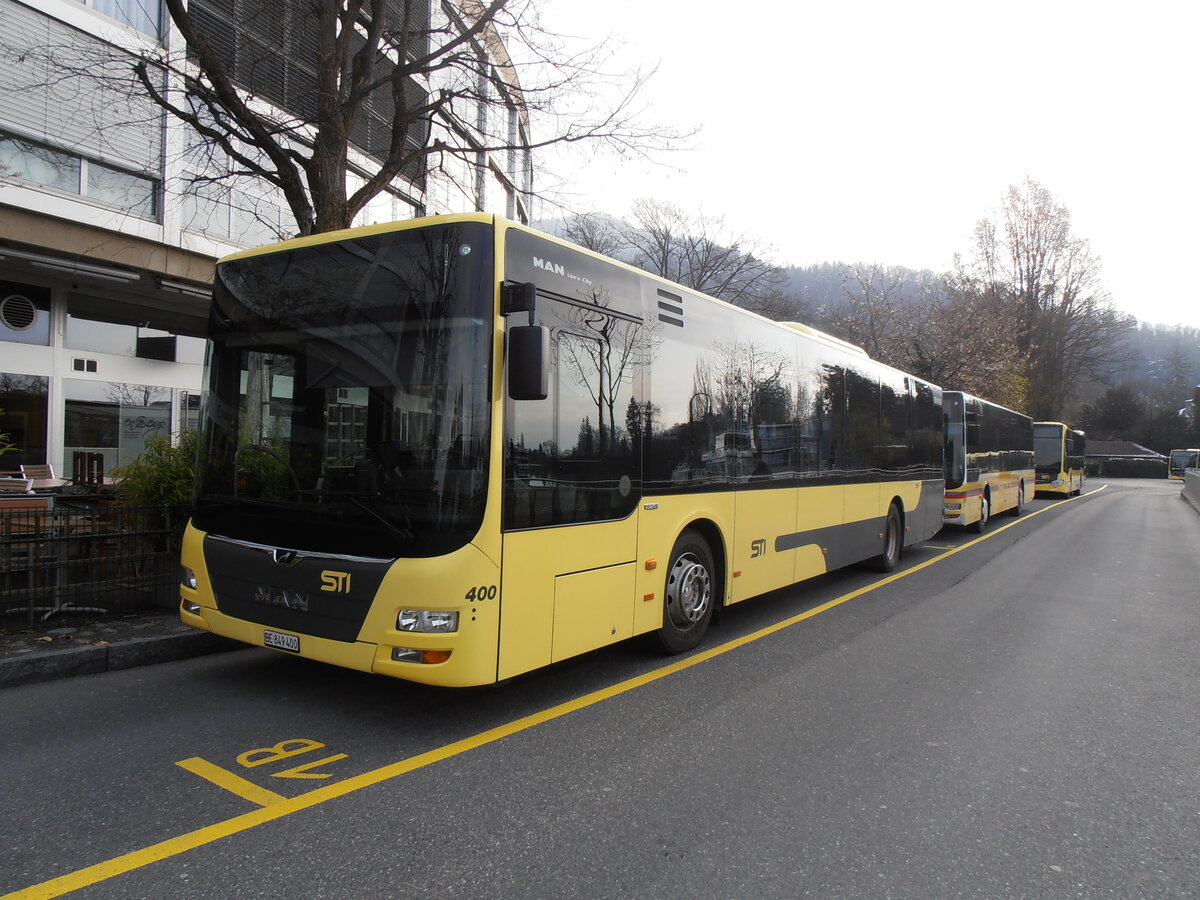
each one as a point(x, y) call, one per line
point(52, 665)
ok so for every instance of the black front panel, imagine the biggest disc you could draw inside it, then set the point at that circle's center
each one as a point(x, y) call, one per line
point(325, 596)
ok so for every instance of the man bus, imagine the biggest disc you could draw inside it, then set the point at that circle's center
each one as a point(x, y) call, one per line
point(454, 450)
point(1059, 458)
point(1181, 460)
point(989, 460)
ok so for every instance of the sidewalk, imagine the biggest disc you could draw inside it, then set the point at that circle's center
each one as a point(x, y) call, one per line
point(54, 649)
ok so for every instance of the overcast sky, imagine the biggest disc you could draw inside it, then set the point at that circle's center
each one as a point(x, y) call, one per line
point(882, 131)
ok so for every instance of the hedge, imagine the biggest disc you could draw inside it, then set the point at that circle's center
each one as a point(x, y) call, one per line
point(1127, 468)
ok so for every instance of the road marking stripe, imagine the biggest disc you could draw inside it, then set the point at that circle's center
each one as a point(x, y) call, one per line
point(236, 784)
point(137, 859)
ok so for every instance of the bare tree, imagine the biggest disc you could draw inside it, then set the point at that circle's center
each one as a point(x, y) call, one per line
point(964, 342)
point(874, 316)
point(1046, 284)
point(928, 325)
point(691, 249)
point(596, 231)
point(334, 105)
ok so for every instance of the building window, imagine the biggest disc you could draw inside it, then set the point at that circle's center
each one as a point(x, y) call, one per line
point(23, 419)
point(113, 419)
point(218, 209)
point(144, 15)
point(136, 194)
point(61, 171)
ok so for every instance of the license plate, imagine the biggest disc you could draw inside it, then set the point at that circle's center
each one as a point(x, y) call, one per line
point(281, 641)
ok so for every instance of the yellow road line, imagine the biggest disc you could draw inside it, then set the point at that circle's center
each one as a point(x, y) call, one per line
point(137, 859)
point(247, 790)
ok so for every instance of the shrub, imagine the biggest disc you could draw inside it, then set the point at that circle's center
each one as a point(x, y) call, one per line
point(1128, 468)
point(162, 475)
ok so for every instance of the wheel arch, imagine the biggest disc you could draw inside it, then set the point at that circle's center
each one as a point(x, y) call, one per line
point(715, 538)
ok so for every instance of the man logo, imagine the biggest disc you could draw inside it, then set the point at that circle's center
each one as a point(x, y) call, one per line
point(758, 548)
point(339, 582)
point(548, 266)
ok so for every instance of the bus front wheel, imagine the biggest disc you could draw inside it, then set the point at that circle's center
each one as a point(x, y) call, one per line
point(688, 599)
point(985, 508)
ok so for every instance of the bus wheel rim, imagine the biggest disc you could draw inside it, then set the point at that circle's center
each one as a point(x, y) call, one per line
point(689, 589)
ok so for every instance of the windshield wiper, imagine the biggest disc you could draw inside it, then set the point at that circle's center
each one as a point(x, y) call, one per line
point(403, 533)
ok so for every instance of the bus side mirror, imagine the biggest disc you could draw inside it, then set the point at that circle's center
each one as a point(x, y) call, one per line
point(528, 362)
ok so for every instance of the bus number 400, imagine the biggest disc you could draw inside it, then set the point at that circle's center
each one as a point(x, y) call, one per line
point(481, 593)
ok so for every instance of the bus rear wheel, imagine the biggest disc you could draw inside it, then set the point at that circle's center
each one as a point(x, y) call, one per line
point(985, 508)
point(1019, 507)
point(688, 599)
point(892, 542)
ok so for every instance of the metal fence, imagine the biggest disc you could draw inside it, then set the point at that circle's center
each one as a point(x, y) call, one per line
point(88, 560)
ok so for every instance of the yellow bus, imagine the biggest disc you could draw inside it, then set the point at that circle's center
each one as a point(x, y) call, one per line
point(1179, 460)
point(989, 460)
point(453, 450)
point(1059, 458)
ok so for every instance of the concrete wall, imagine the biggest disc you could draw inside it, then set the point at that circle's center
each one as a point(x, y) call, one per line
point(1191, 486)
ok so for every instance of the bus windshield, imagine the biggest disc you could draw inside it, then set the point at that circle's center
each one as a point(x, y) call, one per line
point(347, 394)
point(955, 459)
point(1181, 460)
point(1048, 447)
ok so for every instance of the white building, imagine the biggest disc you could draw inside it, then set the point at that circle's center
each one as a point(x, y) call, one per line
point(107, 242)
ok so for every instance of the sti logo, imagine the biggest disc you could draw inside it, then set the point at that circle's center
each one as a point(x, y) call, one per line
point(338, 582)
point(548, 266)
point(758, 548)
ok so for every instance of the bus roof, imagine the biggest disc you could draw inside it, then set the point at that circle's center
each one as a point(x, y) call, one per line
point(501, 222)
point(828, 338)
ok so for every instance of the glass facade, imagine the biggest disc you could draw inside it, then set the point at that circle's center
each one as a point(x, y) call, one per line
point(156, 352)
point(102, 325)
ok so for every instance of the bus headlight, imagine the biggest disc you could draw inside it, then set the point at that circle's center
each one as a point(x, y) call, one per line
point(188, 578)
point(1057, 482)
point(427, 621)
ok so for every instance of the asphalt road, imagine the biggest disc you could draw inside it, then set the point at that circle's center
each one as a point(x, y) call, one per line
point(1016, 716)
